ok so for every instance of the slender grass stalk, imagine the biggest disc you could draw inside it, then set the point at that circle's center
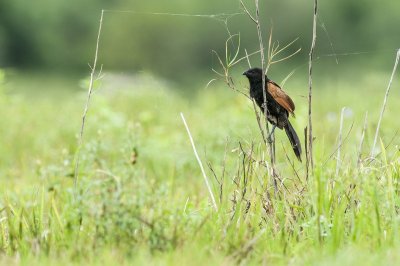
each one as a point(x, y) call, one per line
point(384, 103)
point(270, 146)
point(362, 140)
point(200, 164)
point(85, 111)
point(338, 159)
point(310, 83)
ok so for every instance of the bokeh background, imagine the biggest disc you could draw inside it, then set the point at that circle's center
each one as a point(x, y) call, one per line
point(139, 192)
point(59, 36)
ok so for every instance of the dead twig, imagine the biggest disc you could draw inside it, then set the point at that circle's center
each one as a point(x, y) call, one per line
point(291, 163)
point(311, 54)
point(306, 149)
point(223, 173)
point(200, 164)
point(338, 161)
point(85, 111)
point(362, 140)
point(249, 245)
point(384, 103)
point(256, 20)
point(338, 147)
point(259, 123)
point(247, 57)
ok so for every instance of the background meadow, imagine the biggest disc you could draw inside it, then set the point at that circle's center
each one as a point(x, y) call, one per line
point(140, 197)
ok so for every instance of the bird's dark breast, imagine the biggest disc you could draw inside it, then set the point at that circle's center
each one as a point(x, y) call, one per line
point(276, 114)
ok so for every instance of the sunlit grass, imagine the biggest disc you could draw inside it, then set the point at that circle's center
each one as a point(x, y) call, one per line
point(141, 198)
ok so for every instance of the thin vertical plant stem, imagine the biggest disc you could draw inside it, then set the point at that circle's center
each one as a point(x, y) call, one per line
point(311, 54)
point(384, 103)
point(362, 140)
point(85, 111)
point(338, 159)
point(200, 164)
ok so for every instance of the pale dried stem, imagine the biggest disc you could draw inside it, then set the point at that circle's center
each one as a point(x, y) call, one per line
point(384, 104)
point(247, 57)
point(271, 144)
point(362, 140)
point(273, 51)
point(90, 90)
point(248, 13)
point(285, 58)
point(311, 54)
point(339, 146)
point(338, 159)
point(200, 164)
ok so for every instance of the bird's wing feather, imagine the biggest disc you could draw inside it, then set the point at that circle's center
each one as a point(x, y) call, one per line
point(280, 97)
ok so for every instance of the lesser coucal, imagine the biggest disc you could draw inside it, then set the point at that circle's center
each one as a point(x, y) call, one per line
point(279, 105)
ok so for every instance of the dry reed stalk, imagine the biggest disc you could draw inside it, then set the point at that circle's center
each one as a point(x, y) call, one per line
point(256, 20)
point(362, 140)
point(384, 104)
point(338, 161)
point(310, 134)
point(85, 111)
point(200, 164)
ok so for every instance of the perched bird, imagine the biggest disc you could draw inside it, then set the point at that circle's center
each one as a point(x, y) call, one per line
point(279, 106)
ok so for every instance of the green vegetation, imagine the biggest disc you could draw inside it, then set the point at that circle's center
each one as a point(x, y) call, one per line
point(141, 198)
point(45, 34)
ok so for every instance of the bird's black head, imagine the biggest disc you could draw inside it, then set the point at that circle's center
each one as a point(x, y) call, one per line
point(254, 74)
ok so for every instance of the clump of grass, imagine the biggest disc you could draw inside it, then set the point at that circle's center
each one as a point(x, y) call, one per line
point(158, 207)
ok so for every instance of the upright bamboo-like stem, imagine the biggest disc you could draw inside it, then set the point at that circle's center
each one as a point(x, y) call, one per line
point(310, 134)
point(384, 103)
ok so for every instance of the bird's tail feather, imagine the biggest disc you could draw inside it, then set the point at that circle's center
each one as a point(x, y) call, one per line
point(294, 140)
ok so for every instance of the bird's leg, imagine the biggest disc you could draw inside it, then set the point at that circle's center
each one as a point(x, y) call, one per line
point(271, 134)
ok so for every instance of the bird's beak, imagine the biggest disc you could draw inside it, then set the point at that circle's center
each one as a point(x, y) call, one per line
point(245, 73)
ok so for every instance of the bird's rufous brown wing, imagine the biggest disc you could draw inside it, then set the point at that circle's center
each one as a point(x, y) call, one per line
point(280, 97)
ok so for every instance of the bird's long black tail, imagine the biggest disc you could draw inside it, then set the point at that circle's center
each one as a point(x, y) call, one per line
point(294, 140)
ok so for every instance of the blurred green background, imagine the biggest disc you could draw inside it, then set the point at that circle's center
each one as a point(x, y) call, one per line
point(59, 36)
point(139, 183)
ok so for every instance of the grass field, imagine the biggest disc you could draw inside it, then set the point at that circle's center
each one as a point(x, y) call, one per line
point(141, 198)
